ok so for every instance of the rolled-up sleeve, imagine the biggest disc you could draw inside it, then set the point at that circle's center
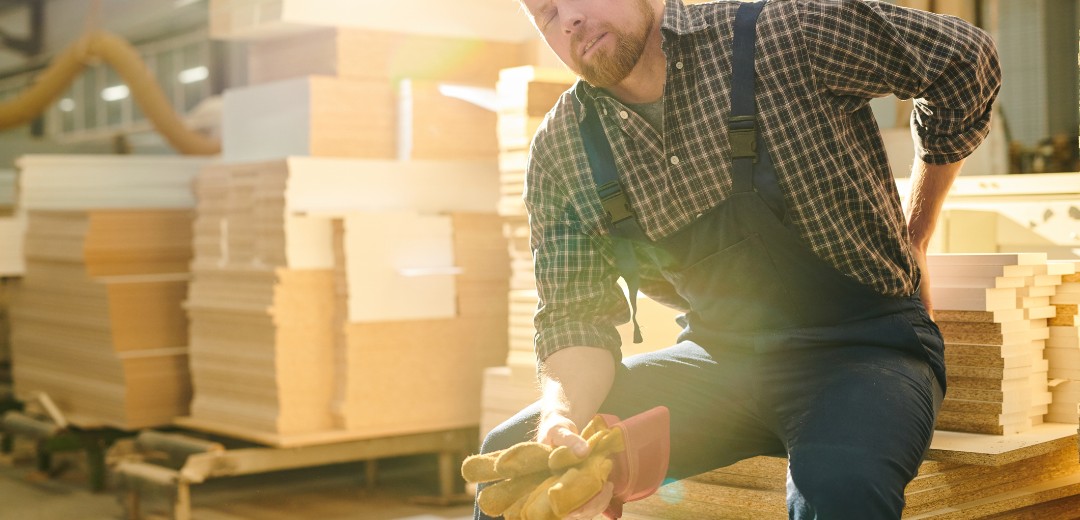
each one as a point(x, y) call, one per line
point(947, 66)
point(580, 301)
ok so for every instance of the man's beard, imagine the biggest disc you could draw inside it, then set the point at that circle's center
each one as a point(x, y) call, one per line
point(607, 69)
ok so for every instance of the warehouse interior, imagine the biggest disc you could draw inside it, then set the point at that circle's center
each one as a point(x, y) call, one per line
point(203, 313)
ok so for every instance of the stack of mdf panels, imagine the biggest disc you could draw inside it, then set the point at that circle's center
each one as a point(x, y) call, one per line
point(298, 331)
point(98, 324)
point(1036, 478)
point(350, 219)
point(992, 311)
point(1063, 349)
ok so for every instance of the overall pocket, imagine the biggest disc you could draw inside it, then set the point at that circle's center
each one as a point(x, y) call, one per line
point(736, 289)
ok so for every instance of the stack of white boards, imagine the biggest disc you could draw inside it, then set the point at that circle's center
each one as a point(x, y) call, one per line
point(964, 477)
point(97, 320)
point(992, 310)
point(337, 298)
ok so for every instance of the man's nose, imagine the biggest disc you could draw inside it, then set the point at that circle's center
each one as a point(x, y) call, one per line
point(572, 17)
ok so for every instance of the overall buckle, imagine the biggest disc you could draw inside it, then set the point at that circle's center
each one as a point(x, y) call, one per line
point(615, 203)
point(742, 134)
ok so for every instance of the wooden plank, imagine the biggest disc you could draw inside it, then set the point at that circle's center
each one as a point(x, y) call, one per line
point(993, 450)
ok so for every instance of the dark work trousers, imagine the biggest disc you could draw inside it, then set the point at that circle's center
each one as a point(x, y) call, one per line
point(854, 419)
point(781, 352)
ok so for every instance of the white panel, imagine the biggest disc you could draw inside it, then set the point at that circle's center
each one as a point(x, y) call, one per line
point(339, 186)
point(400, 266)
point(74, 182)
point(267, 121)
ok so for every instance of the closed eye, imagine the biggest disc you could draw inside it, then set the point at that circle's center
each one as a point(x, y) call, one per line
point(547, 15)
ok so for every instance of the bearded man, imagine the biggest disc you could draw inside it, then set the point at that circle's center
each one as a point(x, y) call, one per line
point(724, 159)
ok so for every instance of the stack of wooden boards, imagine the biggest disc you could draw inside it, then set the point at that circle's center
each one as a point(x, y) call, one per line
point(350, 270)
point(993, 311)
point(97, 321)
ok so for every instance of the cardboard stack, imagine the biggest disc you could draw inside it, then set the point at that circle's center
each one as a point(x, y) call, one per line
point(992, 311)
point(1063, 349)
point(98, 324)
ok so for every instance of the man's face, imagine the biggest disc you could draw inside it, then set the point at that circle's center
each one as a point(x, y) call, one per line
point(600, 40)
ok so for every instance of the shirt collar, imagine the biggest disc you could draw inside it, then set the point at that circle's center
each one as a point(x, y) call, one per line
point(680, 20)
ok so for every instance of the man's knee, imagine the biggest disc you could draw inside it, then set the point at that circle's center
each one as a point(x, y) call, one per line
point(842, 482)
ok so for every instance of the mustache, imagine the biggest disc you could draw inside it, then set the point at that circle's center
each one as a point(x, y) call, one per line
point(579, 36)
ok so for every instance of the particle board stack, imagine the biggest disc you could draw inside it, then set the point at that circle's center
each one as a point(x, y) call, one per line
point(1063, 349)
point(992, 311)
point(98, 324)
point(1042, 483)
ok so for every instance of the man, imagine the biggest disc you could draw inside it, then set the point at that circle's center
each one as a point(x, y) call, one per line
point(754, 193)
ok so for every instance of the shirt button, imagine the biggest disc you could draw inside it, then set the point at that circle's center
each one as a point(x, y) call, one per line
point(678, 65)
point(674, 159)
point(623, 114)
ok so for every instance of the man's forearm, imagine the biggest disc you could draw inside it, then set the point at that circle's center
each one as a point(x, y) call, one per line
point(575, 381)
point(930, 184)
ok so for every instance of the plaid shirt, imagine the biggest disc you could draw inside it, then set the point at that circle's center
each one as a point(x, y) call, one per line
point(818, 64)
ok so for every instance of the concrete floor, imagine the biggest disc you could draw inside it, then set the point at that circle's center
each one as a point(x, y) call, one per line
point(331, 493)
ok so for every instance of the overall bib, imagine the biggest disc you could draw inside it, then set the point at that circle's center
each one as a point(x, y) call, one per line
point(781, 353)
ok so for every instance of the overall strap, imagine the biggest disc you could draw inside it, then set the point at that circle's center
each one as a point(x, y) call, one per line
point(742, 125)
point(621, 221)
